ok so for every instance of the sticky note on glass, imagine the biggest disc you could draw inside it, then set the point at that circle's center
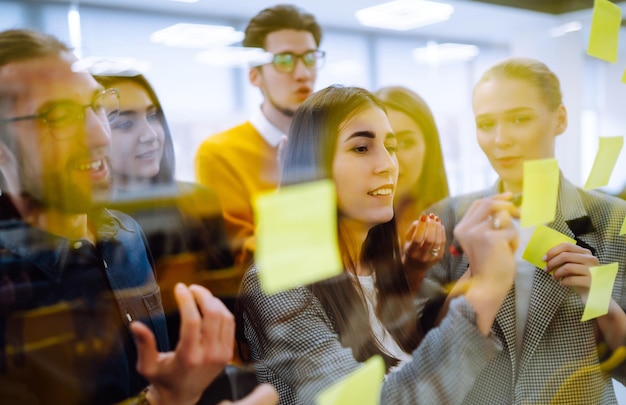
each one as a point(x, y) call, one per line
point(296, 235)
point(602, 280)
point(624, 76)
point(359, 387)
point(605, 25)
point(608, 152)
point(542, 240)
point(540, 191)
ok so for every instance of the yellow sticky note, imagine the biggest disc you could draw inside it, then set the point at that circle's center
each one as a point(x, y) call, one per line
point(605, 25)
point(296, 235)
point(622, 231)
point(359, 387)
point(542, 240)
point(602, 280)
point(608, 152)
point(624, 76)
point(540, 191)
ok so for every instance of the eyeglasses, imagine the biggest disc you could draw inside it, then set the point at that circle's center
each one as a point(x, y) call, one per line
point(63, 117)
point(286, 62)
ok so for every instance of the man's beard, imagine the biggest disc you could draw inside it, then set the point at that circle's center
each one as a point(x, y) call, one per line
point(61, 194)
point(287, 112)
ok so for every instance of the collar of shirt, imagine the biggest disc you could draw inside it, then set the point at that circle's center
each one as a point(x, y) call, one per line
point(268, 131)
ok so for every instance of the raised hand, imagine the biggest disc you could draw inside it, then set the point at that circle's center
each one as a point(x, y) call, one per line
point(425, 240)
point(569, 265)
point(206, 345)
point(489, 239)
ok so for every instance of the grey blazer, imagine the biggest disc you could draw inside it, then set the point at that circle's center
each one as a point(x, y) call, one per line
point(295, 347)
point(559, 360)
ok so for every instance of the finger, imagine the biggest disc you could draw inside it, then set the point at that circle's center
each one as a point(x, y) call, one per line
point(408, 236)
point(441, 235)
point(190, 320)
point(570, 258)
point(413, 244)
point(567, 247)
point(500, 207)
point(147, 354)
point(218, 324)
point(430, 233)
point(570, 270)
point(575, 281)
point(264, 394)
point(481, 209)
point(501, 219)
point(506, 196)
point(508, 234)
point(420, 232)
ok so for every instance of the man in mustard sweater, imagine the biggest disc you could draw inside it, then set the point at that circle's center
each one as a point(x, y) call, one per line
point(242, 161)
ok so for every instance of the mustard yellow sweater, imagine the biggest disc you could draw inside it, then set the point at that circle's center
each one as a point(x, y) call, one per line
point(237, 164)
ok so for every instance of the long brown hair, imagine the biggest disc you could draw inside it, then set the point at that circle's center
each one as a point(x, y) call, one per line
point(309, 156)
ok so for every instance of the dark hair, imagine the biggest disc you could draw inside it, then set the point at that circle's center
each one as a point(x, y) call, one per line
point(532, 70)
point(18, 45)
point(280, 17)
point(309, 156)
point(21, 45)
point(167, 164)
point(432, 185)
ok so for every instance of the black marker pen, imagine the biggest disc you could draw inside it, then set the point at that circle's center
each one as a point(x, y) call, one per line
point(455, 247)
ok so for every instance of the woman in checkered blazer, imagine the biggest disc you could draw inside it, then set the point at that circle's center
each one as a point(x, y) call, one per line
point(305, 339)
point(550, 355)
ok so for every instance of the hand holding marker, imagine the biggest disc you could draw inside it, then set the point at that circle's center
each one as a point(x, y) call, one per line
point(456, 249)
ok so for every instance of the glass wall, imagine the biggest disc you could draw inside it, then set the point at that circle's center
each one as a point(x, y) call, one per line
point(200, 100)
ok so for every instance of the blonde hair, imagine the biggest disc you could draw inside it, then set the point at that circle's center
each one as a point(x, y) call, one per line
point(531, 70)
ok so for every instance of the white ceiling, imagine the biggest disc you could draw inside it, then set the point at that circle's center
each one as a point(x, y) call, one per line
point(472, 21)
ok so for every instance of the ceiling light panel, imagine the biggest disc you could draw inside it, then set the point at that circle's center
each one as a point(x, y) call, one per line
point(403, 15)
point(234, 56)
point(197, 36)
point(434, 53)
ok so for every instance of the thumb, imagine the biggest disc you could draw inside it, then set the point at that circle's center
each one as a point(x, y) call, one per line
point(147, 353)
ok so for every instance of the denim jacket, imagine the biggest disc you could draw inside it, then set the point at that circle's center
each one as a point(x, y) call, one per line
point(38, 306)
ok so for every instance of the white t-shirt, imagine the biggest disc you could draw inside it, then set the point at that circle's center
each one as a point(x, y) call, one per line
point(381, 334)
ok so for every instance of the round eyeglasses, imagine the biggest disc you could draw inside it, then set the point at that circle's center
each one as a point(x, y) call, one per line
point(286, 62)
point(64, 117)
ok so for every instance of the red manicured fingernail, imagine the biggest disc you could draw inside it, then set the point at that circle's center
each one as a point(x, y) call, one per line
point(437, 219)
point(423, 218)
point(432, 216)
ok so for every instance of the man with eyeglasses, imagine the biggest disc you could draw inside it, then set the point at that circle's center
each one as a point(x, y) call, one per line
point(81, 320)
point(242, 161)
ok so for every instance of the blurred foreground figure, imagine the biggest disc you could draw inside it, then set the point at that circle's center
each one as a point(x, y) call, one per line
point(76, 278)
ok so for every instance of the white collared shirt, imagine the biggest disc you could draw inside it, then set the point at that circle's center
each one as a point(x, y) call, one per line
point(268, 131)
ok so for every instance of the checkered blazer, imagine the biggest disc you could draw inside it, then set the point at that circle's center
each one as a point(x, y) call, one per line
point(295, 347)
point(559, 358)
